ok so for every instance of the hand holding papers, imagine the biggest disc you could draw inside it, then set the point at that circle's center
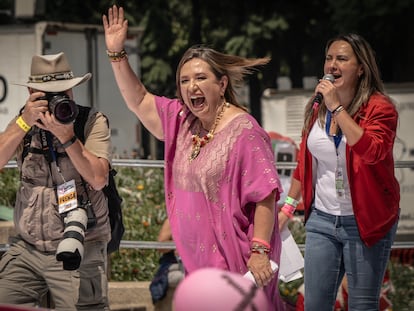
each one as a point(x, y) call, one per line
point(250, 276)
point(291, 259)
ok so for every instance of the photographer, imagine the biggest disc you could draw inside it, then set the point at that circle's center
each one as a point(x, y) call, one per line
point(60, 184)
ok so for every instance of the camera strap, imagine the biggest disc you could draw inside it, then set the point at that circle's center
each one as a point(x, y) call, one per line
point(49, 152)
point(87, 205)
point(47, 146)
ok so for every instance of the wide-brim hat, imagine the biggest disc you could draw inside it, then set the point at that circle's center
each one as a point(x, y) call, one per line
point(52, 73)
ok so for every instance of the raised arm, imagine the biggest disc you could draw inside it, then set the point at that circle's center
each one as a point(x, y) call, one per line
point(136, 96)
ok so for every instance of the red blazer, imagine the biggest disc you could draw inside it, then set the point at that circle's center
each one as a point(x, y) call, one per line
point(375, 191)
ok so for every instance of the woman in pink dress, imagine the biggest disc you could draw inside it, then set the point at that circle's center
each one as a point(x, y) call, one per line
point(221, 182)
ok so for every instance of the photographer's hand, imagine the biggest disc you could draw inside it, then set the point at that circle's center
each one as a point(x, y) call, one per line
point(34, 108)
point(63, 132)
point(93, 169)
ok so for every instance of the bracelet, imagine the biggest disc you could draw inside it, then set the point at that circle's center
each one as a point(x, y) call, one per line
point(262, 242)
point(22, 124)
point(337, 110)
point(117, 56)
point(291, 201)
point(69, 142)
point(286, 213)
point(259, 249)
point(288, 210)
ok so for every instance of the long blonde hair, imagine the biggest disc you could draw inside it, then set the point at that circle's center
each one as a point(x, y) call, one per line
point(368, 83)
point(232, 66)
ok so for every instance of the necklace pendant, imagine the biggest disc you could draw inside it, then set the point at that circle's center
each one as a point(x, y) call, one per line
point(195, 152)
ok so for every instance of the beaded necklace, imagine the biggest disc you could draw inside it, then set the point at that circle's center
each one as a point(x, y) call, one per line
point(198, 143)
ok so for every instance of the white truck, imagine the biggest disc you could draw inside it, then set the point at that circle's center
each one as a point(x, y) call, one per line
point(282, 112)
point(85, 48)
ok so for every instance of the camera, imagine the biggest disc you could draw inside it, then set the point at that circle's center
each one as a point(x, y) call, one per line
point(61, 106)
point(70, 250)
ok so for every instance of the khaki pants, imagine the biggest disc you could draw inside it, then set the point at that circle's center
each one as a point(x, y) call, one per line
point(27, 275)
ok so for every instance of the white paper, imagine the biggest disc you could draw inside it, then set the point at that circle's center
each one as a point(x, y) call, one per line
point(291, 259)
point(250, 276)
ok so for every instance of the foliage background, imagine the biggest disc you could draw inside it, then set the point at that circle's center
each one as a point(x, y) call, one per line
point(144, 212)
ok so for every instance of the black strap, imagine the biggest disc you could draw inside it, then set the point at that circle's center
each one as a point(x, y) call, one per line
point(41, 151)
point(26, 144)
point(80, 122)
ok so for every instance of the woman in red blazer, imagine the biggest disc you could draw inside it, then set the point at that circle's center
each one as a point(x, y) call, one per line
point(345, 176)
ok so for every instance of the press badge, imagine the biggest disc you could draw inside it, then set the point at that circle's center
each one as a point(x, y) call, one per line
point(67, 198)
point(339, 182)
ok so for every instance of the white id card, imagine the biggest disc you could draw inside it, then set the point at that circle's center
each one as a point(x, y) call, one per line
point(339, 182)
point(67, 198)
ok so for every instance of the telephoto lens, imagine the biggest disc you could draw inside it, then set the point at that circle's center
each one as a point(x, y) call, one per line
point(62, 107)
point(70, 250)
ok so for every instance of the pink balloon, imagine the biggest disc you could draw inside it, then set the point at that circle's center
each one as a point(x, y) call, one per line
point(212, 289)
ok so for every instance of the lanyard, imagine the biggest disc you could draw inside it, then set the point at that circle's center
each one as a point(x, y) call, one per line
point(336, 137)
point(339, 174)
point(49, 151)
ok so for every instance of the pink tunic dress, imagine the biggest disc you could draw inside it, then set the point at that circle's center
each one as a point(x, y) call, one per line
point(211, 199)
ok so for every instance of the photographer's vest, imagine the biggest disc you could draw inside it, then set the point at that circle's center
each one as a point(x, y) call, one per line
point(36, 216)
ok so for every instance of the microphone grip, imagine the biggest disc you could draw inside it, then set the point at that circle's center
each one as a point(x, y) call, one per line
point(317, 100)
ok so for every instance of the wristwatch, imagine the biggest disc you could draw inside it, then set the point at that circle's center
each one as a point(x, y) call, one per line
point(69, 142)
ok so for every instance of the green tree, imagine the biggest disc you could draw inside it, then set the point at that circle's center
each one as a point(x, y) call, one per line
point(292, 33)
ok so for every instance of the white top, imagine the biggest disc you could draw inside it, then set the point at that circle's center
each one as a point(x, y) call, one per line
point(322, 148)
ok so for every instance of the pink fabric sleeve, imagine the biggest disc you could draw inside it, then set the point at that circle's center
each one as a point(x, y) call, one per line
point(256, 166)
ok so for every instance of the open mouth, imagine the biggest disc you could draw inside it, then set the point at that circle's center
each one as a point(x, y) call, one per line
point(337, 76)
point(197, 102)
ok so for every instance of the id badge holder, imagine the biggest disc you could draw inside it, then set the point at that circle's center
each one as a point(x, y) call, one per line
point(67, 196)
point(339, 182)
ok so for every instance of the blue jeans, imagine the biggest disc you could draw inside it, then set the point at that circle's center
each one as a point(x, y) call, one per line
point(333, 247)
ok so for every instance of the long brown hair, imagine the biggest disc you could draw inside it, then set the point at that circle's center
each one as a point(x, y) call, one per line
point(232, 66)
point(369, 82)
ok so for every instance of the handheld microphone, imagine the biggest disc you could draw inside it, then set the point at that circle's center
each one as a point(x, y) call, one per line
point(319, 97)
